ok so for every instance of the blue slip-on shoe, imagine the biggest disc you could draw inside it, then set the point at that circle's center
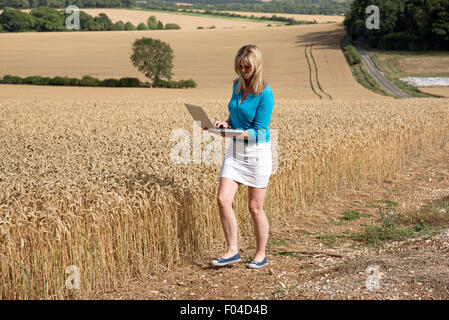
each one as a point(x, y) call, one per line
point(256, 265)
point(220, 262)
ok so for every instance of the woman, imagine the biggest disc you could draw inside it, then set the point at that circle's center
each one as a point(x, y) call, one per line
point(248, 156)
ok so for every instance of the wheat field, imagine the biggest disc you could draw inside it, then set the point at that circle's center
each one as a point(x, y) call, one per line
point(87, 176)
point(92, 184)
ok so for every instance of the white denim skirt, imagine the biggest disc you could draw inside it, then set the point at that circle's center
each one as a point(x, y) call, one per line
point(249, 164)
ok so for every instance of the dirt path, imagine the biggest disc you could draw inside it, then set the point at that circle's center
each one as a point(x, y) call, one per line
point(310, 260)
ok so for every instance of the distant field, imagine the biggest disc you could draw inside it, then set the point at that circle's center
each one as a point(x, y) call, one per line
point(411, 63)
point(438, 64)
point(305, 17)
point(440, 91)
point(185, 21)
point(203, 55)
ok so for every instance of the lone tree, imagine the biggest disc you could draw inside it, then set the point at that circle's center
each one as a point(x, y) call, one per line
point(153, 57)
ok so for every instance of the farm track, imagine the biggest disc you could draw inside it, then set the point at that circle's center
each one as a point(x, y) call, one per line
point(313, 73)
point(378, 75)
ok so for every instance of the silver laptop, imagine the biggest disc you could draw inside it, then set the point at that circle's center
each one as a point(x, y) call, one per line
point(198, 114)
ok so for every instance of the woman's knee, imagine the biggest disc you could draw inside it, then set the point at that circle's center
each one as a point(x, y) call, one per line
point(256, 209)
point(224, 201)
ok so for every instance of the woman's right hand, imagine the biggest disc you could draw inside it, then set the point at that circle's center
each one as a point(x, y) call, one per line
point(221, 124)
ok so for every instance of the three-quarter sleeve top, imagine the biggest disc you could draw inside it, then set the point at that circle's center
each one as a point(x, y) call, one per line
point(253, 114)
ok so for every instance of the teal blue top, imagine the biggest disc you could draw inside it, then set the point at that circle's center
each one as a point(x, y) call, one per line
point(253, 114)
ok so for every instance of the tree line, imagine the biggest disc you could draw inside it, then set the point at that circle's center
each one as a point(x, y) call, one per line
point(45, 19)
point(29, 4)
point(88, 81)
point(403, 24)
point(289, 21)
point(327, 7)
point(153, 57)
point(331, 7)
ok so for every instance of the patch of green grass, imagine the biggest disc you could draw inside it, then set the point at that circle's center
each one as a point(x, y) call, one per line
point(336, 223)
point(277, 242)
point(329, 239)
point(278, 292)
point(432, 214)
point(385, 204)
point(287, 254)
point(374, 235)
point(424, 222)
point(247, 260)
point(388, 203)
point(350, 215)
point(306, 266)
point(293, 286)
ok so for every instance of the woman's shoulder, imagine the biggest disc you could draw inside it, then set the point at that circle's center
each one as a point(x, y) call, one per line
point(267, 89)
point(235, 82)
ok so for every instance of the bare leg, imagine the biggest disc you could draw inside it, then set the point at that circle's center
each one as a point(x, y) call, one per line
point(255, 205)
point(226, 193)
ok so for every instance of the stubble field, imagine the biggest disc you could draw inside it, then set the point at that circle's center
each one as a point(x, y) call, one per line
point(439, 91)
point(206, 56)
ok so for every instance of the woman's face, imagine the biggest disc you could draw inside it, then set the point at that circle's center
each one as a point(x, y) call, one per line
point(246, 70)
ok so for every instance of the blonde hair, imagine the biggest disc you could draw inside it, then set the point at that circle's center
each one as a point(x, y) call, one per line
point(250, 55)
